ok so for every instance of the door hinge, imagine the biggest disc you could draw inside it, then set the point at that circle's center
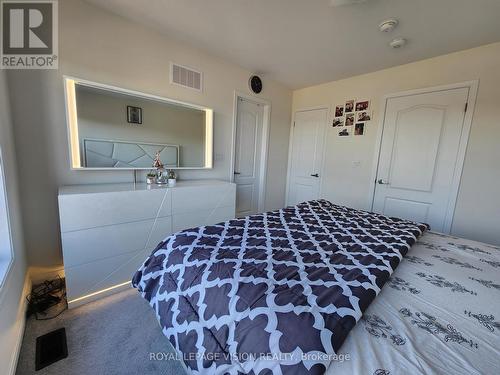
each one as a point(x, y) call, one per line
point(466, 106)
point(294, 124)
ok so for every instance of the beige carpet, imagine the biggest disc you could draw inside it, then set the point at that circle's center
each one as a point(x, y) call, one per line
point(114, 335)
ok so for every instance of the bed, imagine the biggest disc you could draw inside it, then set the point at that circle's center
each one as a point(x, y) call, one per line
point(439, 313)
point(281, 293)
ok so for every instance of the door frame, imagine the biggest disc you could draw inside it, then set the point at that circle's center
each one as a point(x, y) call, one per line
point(473, 87)
point(290, 146)
point(266, 125)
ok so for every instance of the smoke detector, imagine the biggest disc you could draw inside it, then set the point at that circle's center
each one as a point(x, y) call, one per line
point(397, 43)
point(338, 3)
point(388, 25)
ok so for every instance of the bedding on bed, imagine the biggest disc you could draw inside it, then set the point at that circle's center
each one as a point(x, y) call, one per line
point(277, 291)
point(439, 313)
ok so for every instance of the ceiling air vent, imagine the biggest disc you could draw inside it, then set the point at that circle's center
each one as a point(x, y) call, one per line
point(186, 77)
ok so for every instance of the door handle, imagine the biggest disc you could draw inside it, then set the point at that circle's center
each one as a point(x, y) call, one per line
point(236, 172)
point(315, 175)
point(382, 182)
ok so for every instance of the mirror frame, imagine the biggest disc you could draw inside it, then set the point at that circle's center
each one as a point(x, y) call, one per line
point(72, 123)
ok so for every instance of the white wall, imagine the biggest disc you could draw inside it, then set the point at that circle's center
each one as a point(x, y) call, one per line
point(11, 293)
point(99, 46)
point(477, 214)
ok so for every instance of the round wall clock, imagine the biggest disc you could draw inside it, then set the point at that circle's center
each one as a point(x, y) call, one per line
point(255, 84)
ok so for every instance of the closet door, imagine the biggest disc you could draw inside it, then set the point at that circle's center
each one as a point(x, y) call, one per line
point(306, 155)
point(418, 157)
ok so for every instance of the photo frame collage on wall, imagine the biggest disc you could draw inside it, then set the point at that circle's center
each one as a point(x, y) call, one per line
point(351, 118)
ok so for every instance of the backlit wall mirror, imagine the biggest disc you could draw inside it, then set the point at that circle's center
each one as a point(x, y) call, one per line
point(113, 128)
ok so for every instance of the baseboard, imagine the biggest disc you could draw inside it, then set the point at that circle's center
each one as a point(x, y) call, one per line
point(21, 318)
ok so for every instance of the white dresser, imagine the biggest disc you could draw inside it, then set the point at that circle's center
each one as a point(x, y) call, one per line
point(108, 230)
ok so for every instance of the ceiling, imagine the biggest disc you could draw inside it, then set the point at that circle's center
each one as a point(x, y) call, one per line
point(305, 42)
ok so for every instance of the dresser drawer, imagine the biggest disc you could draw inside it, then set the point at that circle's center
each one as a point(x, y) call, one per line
point(202, 217)
point(89, 245)
point(83, 211)
point(108, 231)
point(95, 277)
point(197, 198)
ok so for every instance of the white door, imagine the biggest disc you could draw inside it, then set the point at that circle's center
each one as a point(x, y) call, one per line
point(306, 155)
point(248, 154)
point(418, 157)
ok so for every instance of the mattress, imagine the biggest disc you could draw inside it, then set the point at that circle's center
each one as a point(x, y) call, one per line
point(439, 313)
point(273, 293)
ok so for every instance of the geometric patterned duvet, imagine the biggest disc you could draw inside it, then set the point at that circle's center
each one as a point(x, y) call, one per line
point(272, 293)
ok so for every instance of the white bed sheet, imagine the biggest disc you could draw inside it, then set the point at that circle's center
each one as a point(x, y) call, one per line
point(438, 314)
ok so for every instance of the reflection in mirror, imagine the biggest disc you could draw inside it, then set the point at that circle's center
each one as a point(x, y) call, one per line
point(113, 128)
